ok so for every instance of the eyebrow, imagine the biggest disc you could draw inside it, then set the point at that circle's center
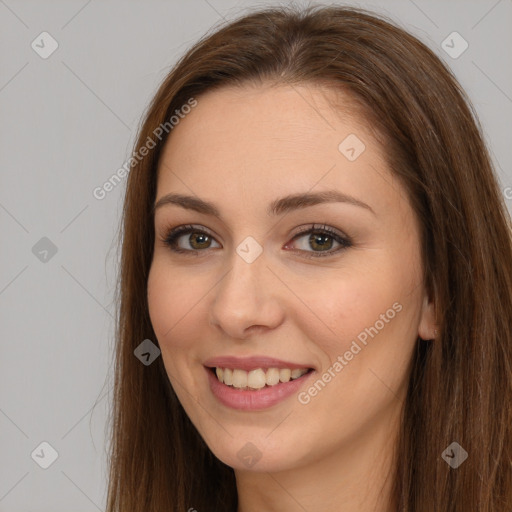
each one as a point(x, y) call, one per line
point(276, 207)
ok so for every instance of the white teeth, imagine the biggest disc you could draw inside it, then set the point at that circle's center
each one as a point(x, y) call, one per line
point(239, 379)
point(285, 375)
point(228, 376)
point(272, 376)
point(258, 378)
point(298, 373)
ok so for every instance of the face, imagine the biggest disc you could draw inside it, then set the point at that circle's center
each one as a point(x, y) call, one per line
point(330, 284)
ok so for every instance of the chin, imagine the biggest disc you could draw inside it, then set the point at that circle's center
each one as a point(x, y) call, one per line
point(258, 455)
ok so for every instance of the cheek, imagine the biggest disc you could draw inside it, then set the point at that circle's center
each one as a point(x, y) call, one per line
point(366, 345)
point(172, 302)
point(370, 312)
point(342, 307)
point(174, 305)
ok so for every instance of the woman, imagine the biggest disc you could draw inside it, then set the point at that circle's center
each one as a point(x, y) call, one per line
point(316, 242)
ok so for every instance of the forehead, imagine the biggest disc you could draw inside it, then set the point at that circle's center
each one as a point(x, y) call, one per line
point(257, 142)
point(283, 119)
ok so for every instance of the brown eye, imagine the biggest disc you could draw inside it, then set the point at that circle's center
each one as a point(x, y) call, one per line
point(197, 240)
point(319, 243)
point(201, 239)
point(321, 240)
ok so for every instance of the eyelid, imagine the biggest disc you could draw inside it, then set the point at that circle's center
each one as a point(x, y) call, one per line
point(321, 227)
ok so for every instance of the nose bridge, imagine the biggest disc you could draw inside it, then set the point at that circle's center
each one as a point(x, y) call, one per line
point(244, 298)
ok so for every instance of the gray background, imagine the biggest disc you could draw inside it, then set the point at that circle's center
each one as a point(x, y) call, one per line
point(68, 123)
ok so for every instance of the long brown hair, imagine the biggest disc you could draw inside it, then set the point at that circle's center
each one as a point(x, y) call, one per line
point(460, 386)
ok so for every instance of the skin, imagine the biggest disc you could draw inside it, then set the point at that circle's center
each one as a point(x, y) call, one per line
point(241, 148)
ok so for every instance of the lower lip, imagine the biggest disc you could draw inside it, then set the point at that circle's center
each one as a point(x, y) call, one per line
point(254, 400)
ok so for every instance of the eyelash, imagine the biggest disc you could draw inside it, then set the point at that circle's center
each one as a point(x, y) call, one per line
point(173, 234)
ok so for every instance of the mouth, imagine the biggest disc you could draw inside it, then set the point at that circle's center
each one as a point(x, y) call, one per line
point(257, 378)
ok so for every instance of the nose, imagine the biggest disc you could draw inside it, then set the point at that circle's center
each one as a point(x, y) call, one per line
point(247, 299)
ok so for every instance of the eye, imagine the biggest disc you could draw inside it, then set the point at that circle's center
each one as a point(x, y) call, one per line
point(198, 239)
point(321, 238)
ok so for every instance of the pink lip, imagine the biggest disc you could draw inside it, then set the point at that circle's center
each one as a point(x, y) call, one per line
point(258, 399)
point(251, 363)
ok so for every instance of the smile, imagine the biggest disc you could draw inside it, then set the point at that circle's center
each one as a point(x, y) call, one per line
point(257, 378)
point(244, 394)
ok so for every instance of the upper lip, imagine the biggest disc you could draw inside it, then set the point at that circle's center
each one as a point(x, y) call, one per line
point(251, 363)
